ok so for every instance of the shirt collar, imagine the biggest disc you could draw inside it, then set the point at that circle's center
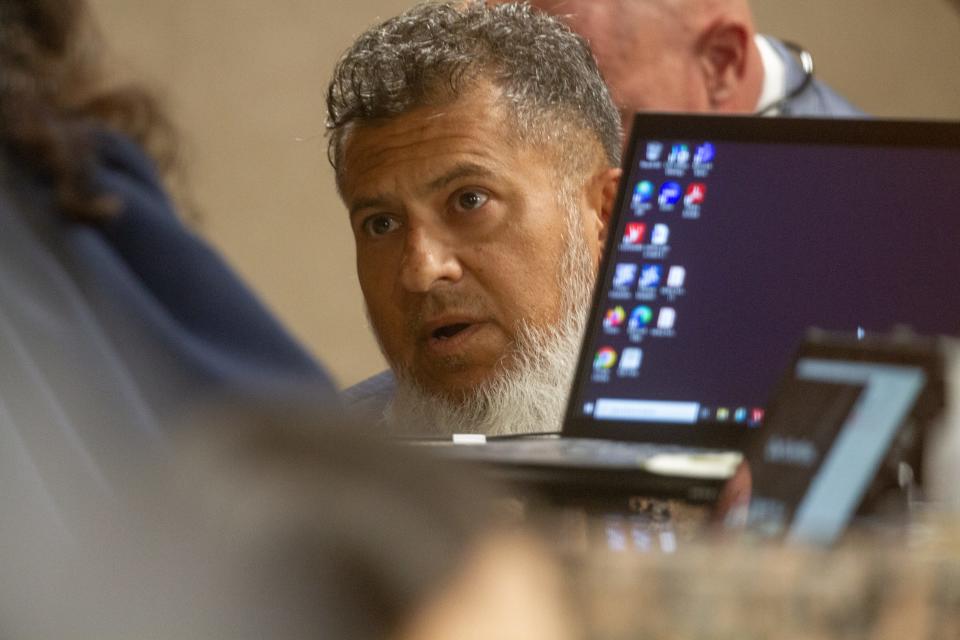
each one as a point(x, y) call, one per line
point(774, 75)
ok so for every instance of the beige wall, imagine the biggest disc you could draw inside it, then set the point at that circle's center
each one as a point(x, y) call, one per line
point(893, 58)
point(245, 80)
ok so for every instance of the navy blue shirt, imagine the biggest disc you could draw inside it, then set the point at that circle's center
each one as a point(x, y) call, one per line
point(186, 324)
point(109, 334)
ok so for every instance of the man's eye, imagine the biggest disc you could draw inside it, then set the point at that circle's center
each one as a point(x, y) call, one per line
point(379, 225)
point(471, 200)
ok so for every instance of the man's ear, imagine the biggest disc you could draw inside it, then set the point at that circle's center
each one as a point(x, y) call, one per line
point(602, 198)
point(722, 51)
point(610, 181)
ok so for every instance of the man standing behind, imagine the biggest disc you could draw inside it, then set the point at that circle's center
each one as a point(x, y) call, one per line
point(696, 56)
point(476, 150)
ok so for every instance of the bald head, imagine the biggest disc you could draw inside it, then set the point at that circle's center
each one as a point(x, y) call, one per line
point(670, 55)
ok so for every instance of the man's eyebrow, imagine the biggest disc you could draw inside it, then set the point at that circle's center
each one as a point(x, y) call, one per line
point(372, 202)
point(462, 170)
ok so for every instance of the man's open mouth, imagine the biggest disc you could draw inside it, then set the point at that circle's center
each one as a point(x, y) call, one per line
point(448, 331)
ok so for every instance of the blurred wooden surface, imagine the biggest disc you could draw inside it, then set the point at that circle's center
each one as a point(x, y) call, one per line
point(866, 589)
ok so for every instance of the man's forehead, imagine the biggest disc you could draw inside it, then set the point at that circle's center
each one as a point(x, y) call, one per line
point(479, 128)
point(424, 123)
point(469, 131)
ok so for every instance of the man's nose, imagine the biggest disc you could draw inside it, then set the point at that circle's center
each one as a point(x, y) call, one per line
point(428, 259)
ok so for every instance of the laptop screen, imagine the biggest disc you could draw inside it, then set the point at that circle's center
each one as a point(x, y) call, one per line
point(732, 236)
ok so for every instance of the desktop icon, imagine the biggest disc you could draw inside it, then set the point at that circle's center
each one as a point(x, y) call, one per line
point(614, 318)
point(676, 276)
point(650, 276)
point(633, 235)
point(670, 193)
point(695, 194)
point(630, 361)
point(642, 196)
point(679, 156)
point(756, 416)
point(704, 155)
point(605, 359)
point(640, 317)
point(660, 234)
point(654, 150)
point(667, 318)
point(740, 415)
point(624, 275)
point(723, 414)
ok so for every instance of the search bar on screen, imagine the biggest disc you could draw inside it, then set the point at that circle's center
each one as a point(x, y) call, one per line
point(646, 410)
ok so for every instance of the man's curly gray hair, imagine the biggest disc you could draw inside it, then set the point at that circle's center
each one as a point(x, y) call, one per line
point(436, 52)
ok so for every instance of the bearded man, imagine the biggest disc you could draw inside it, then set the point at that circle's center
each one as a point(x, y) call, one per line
point(476, 149)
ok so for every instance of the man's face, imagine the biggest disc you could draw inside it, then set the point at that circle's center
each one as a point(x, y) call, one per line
point(646, 54)
point(459, 238)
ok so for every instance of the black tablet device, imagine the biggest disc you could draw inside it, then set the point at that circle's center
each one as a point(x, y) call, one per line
point(843, 436)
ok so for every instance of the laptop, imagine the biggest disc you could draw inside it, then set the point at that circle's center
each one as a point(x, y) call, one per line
point(731, 237)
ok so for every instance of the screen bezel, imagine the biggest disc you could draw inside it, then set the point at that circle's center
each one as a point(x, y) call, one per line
point(929, 134)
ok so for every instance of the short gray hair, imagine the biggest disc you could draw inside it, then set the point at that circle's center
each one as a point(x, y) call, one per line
point(433, 51)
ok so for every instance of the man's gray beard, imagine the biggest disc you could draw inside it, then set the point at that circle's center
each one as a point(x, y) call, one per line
point(531, 396)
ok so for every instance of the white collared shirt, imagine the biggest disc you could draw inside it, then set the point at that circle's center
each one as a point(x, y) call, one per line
point(774, 75)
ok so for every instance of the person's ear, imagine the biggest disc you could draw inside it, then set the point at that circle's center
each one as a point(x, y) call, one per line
point(610, 182)
point(602, 198)
point(722, 51)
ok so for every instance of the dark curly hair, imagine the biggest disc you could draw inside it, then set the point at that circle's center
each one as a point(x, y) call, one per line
point(435, 51)
point(53, 99)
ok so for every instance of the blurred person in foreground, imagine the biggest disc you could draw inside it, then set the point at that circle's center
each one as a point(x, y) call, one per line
point(476, 149)
point(114, 318)
point(695, 56)
point(260, 528)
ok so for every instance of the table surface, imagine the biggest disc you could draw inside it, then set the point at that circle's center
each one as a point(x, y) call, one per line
point(867, 588)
